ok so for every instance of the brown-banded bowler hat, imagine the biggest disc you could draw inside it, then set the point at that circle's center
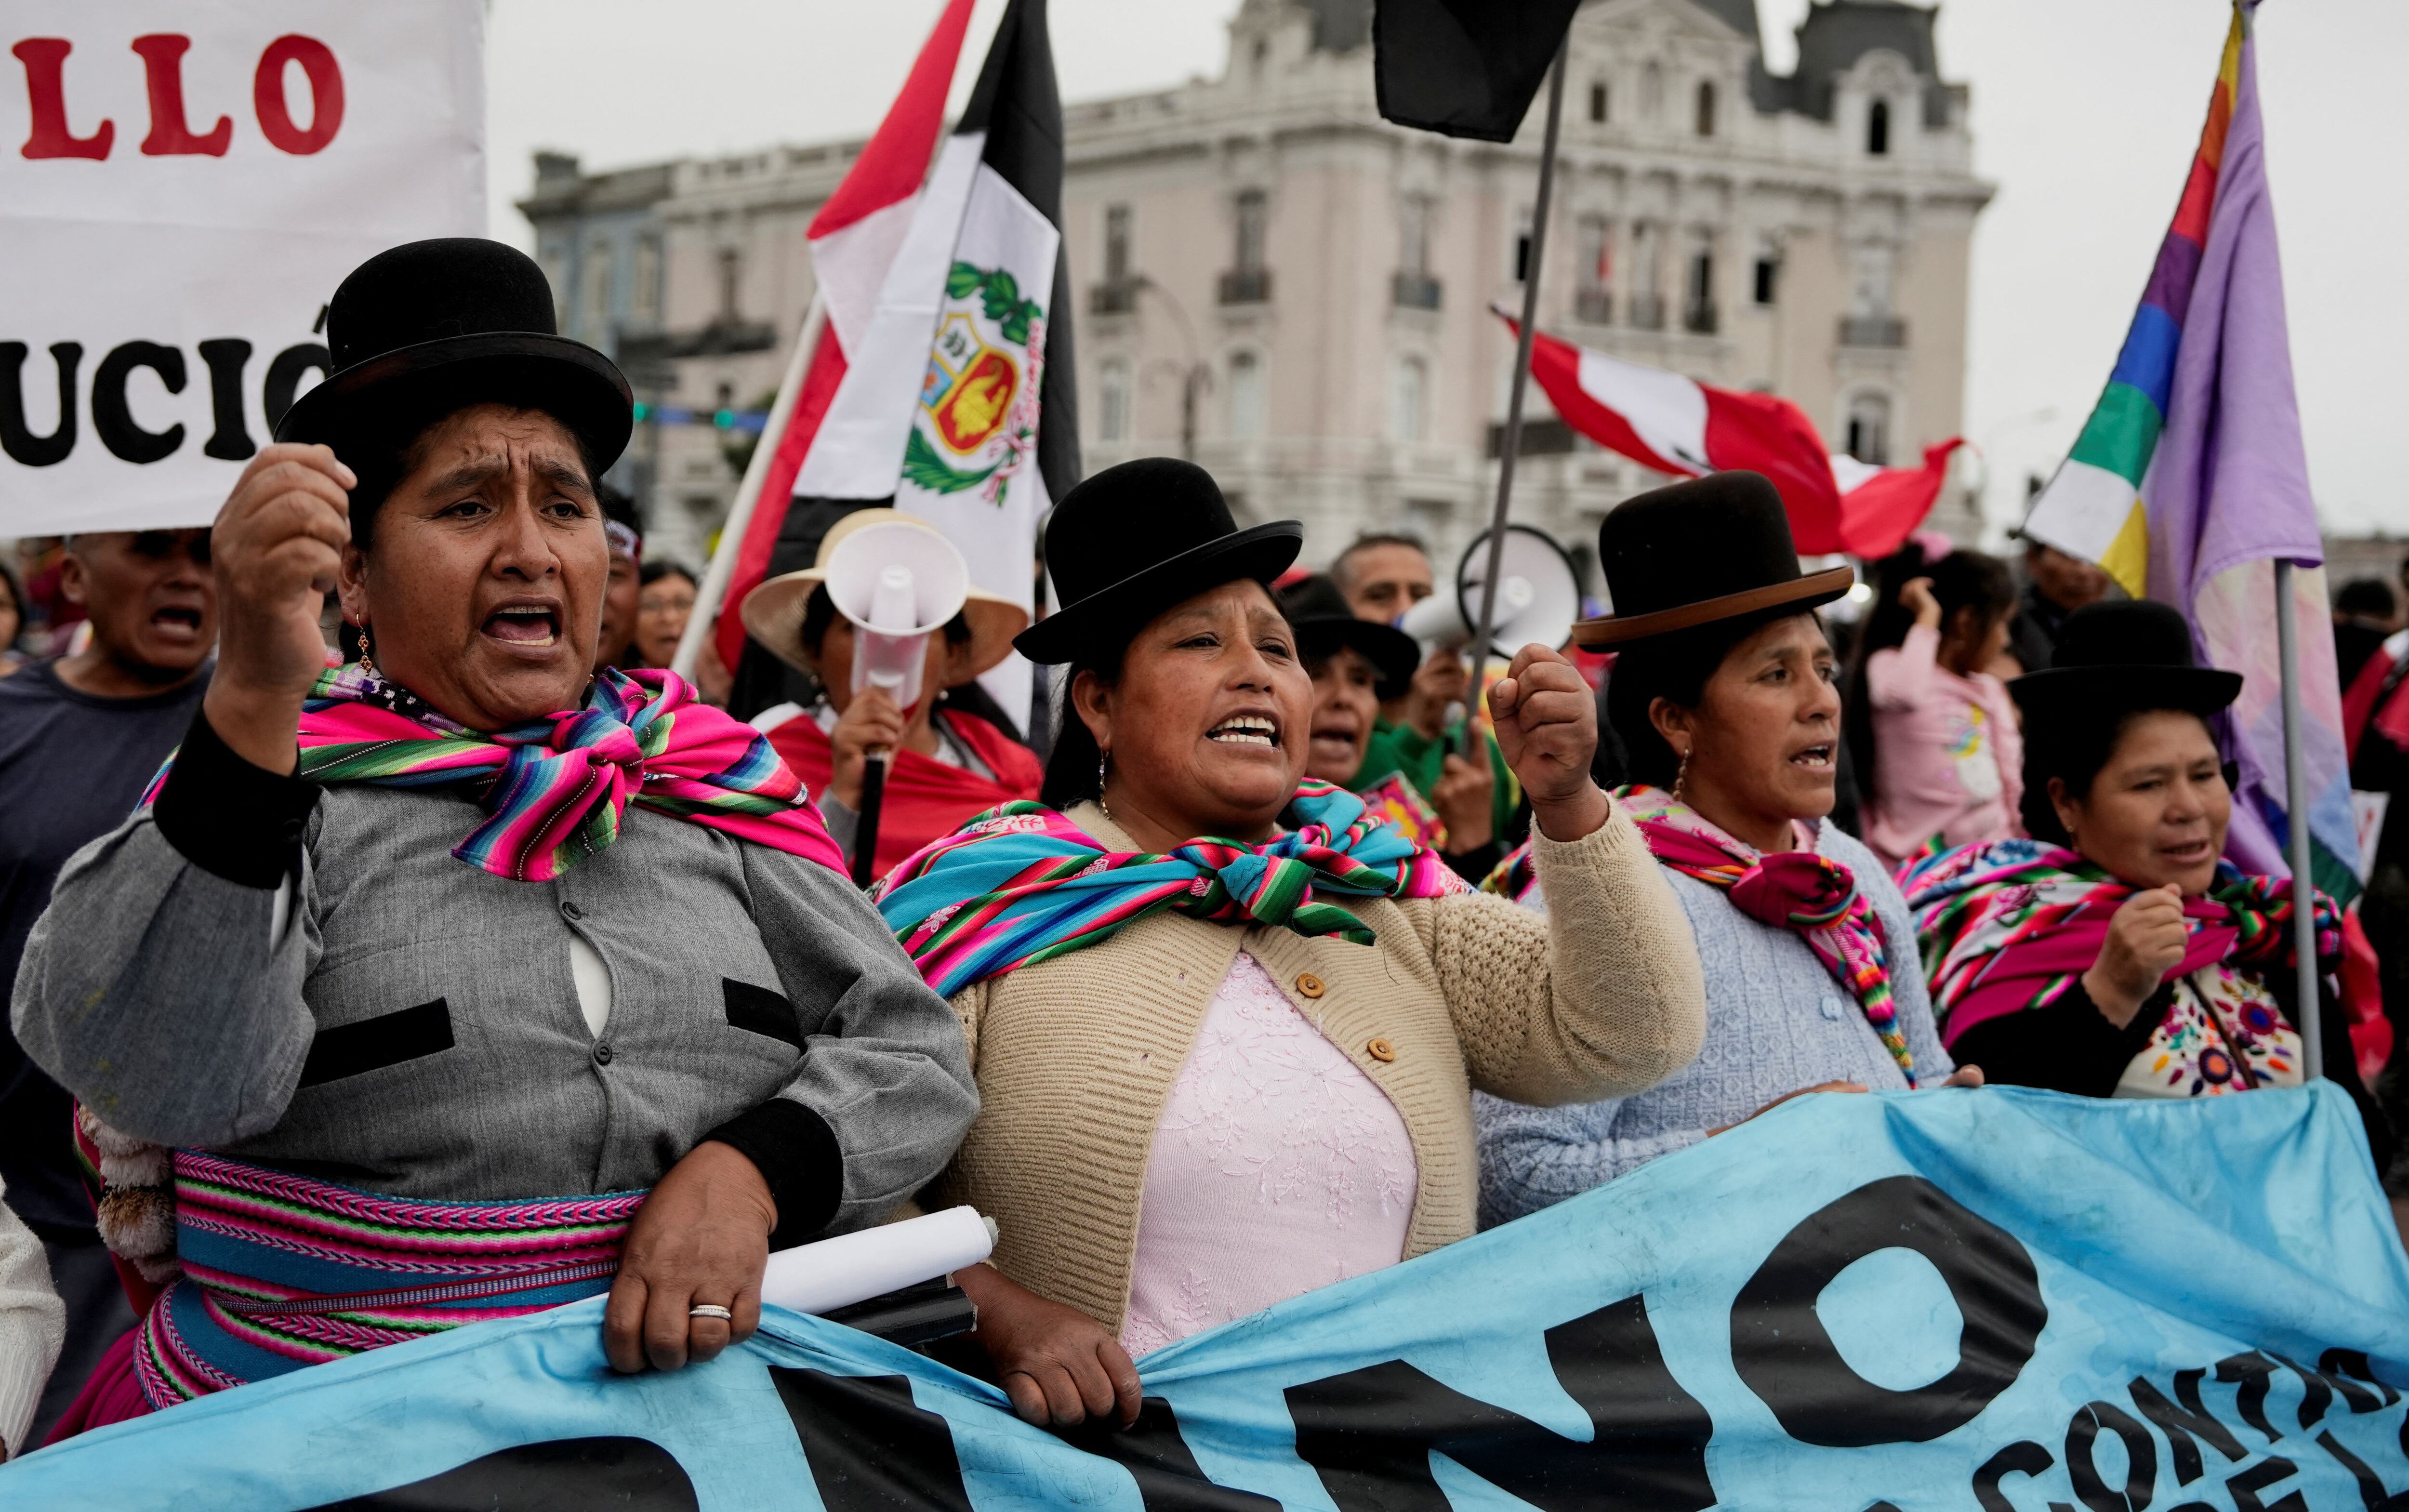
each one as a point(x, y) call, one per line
point(428, 327)
point(1709, 549)
point(1136, 539)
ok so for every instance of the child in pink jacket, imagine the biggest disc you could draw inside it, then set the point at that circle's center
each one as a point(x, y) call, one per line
point(1935, 740)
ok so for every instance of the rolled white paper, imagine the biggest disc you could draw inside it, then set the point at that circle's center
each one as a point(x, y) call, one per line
point(855, 1267)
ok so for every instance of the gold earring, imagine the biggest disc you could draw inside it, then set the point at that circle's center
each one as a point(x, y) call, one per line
point(368, 667)
point(1101, 758)
point(1681, 775)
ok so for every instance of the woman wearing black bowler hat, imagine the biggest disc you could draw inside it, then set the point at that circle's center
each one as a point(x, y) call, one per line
point(465, 946)
point(2117, 952)
point(1222, 1061)
point(1724, 697)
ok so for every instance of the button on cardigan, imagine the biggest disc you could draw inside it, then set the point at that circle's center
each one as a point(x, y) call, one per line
point(1075, 1057)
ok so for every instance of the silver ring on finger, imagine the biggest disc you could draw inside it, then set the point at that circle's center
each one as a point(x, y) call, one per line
point(710, 1310)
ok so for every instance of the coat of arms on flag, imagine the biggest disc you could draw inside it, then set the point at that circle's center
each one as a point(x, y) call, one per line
point(971, 398)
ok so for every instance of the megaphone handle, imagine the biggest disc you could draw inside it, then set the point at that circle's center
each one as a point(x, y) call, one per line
point(865, 829)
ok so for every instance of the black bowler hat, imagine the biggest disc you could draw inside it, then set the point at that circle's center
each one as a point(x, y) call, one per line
point(1713, 548)
point(428, 327)
point(2122, 657)
point(1324, 625)
point(1134, 539)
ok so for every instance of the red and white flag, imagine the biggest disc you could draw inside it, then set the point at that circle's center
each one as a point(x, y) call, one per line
point(854, 238)
point(1678, 425)
point(948, 306)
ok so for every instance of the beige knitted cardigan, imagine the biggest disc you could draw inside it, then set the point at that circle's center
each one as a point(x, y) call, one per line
point(1075, 1057)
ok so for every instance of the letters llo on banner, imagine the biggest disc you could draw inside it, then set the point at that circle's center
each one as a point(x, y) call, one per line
point(182, 187)
point(1809, 1312)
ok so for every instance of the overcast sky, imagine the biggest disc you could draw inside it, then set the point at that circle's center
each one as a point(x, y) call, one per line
point(2085, 114)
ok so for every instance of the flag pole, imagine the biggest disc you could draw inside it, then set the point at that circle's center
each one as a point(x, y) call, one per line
point(717, 577)
point(2296, 809)
point(1510, 444)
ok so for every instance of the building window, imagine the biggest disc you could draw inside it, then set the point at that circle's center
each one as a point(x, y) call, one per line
point(1522, 250)
point(1593, 298)
point(1698, 304)
point(1246, 396)
point(644, 299)
point(594, 306)
point(1112, 412)
point(1405, 400)
point(1878, 129)
point(1413, 234)
point(1117, 244)
point(1259, 55)
point(1870, 429)
point(1252, 218)
point(1647, 284)
point(1705, 107)
point(1768, 274)
point(1597, 103)
point(732, 282)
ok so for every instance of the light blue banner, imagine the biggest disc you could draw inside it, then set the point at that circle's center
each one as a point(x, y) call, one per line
point(1934, 1300)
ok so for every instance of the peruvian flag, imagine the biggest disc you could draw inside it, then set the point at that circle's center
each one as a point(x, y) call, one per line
point(854, 241)
point(947, 301)
point(1678, 425)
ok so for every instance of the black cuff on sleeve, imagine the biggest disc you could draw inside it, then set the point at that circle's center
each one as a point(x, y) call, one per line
point(796, 1154)
point(230, 818)
point(2068, 1047)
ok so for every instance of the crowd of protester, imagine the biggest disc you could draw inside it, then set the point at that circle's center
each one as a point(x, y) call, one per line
point(1290, 950)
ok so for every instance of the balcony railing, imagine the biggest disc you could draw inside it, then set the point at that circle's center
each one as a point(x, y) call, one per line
point(1872, 331)
point(1414, 291)
point(1699, 317)
point(1113, 296)
point(1647, 311)
point(1592, 306)
point(1247, 286)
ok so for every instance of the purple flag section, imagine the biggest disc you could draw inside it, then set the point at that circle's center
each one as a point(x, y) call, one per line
point(2228, 495)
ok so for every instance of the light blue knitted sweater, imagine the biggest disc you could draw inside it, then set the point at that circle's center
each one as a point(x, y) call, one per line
point(1775, 1021)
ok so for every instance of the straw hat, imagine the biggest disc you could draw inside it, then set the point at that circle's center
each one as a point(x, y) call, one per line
point(774, 612)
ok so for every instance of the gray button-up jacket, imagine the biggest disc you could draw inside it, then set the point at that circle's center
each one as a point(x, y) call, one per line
point(415, 1030)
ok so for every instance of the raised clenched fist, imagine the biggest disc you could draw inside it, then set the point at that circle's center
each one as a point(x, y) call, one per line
point(1545, 720)
point(2145, 940)
point(276, 547)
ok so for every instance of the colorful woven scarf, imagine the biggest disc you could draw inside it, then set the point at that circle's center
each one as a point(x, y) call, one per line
point(1800, 890)
point(2011, 924)
point(555, 788)
point(1020, 884)
point(281, 1271)
point(1515, 877)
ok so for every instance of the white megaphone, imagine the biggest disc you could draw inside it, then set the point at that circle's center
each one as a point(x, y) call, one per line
point(1538, 597)
point(898, 581)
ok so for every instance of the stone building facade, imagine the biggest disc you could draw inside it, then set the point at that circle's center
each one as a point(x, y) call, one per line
point(1274, 281)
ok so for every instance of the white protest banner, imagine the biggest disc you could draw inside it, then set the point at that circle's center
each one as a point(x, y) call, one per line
point(182, 185)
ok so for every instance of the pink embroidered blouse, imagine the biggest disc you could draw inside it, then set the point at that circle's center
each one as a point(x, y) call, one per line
point(1278, 1167)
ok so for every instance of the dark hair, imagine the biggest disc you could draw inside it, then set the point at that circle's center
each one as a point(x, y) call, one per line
point(618, 507)
point(1370, 539)
point(1961, 580)
point(382, 455)
point(1075, 766)
point(1674, 668)
point(654, 571)
point(2370, 596)
point(2075, 751)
